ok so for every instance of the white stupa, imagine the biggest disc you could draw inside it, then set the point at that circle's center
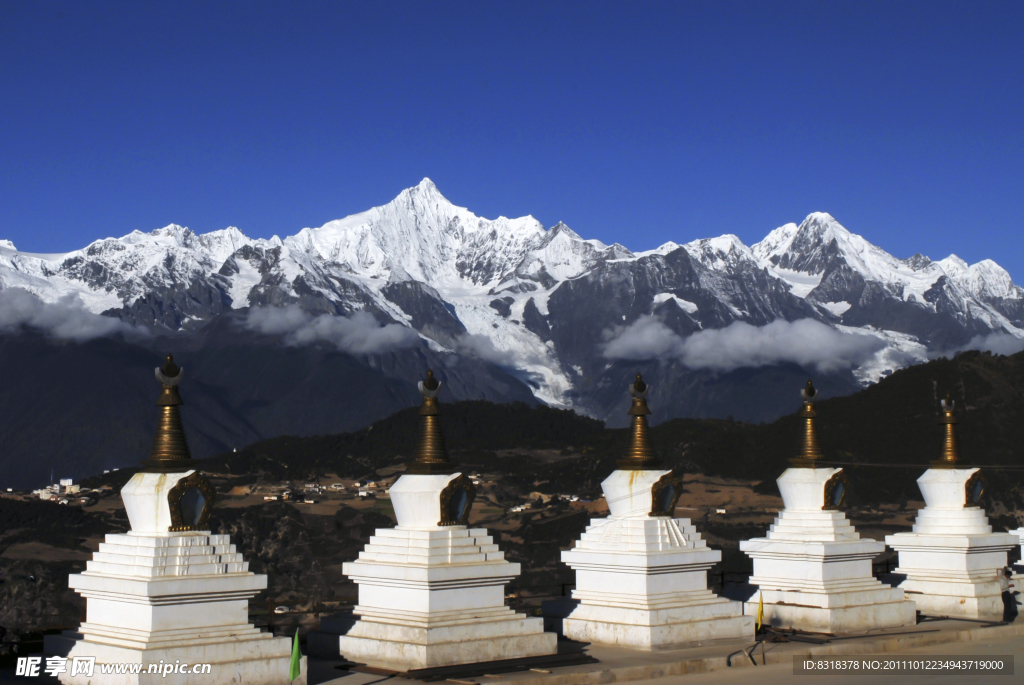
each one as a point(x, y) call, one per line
point(431, 590)
point(1018, 568)
point(169, 592)
point(952, 560)
point(641, 574)
point(813, 570)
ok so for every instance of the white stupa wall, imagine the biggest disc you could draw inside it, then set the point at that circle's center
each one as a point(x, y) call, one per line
point(1020, 536)
point(433, 595)
point(641, 580)
point(813, 571)
point(952, 560)
point(152, 595)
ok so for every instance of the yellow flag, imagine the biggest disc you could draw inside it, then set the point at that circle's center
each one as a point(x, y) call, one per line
point(760, 610)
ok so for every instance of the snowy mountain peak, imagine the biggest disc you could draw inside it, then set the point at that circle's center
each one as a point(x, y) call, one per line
point(563, 229)
point(822, 260)
point(172, 234)
point(662, 249)
point(428, 239)
point(173, 231)
point(7, 245)
point(725, 253)
point(953, 266)
point(821, 229)
point(988, 281)
point(225, 242)
point(775, 242)
point(727, 243)
point(824, 223)
point(230, 233)
point(817, 229)
point(423, 192)
point(821, 245)
point(918, 262)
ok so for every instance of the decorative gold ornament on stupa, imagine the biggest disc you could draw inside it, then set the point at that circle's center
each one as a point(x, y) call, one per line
point(950, 451)
point(431, 455)
point(170, 452)
point(640, 454)
point(810, 452)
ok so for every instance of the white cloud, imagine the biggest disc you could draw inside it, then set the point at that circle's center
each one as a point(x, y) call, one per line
point(358, 334)
point(66, 319)
point(806, 342)
point(482, 347)
point(998, 343)
point(645, 338)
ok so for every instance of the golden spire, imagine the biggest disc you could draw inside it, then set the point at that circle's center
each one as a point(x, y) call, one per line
point(640, 454)
point(810, 453)
point(170, 449)
point(431, 456)
point(950, 453)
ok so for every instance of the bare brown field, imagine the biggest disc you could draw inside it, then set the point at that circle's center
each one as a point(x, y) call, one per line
point(38, 551)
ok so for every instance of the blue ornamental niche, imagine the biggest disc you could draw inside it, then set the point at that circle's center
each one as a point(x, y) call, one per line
point(457, 505)
point(456, 502)
point(974, 488)
point(664, 495)
point(190, 501)
point(836, 489)
point(192, 504)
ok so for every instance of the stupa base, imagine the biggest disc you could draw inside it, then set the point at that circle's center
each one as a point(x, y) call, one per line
point(405, 648)
point(960, 600)
point(954, 575)
point(256, 658)
point(719, 619)
point(839, 613)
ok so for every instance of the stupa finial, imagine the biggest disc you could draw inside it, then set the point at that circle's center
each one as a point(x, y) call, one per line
point(170, 453)
point(640, 454)
point(950, 451)
point(810, 452)
point(431, 455)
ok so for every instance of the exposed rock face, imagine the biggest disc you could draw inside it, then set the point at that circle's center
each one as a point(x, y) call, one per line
point(427, 312)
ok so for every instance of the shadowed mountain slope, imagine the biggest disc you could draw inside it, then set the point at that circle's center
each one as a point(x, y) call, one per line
point(885, 436)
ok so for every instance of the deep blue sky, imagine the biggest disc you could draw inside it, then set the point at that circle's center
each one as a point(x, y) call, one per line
point(636, 122)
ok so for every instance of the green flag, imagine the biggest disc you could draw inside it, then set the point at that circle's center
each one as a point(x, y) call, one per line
point(296, 669)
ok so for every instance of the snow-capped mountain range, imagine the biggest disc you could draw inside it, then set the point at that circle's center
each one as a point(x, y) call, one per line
point(545, 303)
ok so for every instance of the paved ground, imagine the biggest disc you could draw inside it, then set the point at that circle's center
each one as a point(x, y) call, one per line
point(622, 665)
point(779, 674)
